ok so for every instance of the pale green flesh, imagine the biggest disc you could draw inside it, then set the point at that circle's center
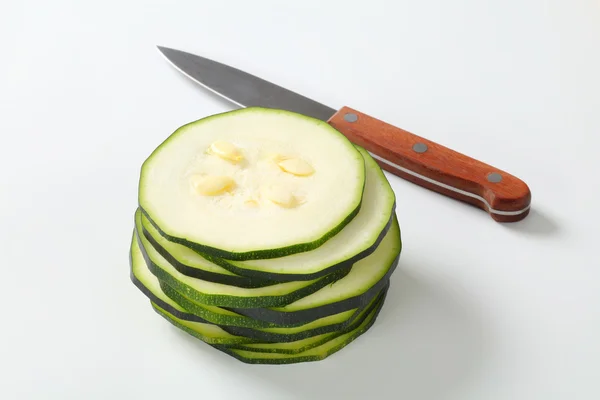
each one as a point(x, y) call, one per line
point(360, 234)
point(364, 274)
point(183, 254)
point(313, 354)
point(205, 288)
point(234, 232)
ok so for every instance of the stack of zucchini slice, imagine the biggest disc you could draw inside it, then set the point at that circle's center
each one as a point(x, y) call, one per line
point(266, 234)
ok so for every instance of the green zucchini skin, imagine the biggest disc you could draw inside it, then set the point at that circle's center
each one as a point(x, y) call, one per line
point(239, 281)
point(255, 254)
point(259, 357)
point(258, 336)
point(223, 320)
point(165, 306)
point(221, 341)
point(355, 324)
point(270, 276)
point(217, 319)
point(168, 312)
point(301, 316)
point(272, 337)
point(255, 336)
point(235, 301)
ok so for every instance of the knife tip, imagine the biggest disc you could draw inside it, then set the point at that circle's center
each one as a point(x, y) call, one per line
point(164, 49)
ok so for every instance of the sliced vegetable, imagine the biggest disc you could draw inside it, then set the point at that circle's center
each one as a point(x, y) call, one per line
point(314, 354)
point(318, 327)
point(216, 294)
point(302, 345)
point(216, 315)
point(365, 280)
point(208, 333)
point(291, 168)
point(266, 234)
point(150, 286)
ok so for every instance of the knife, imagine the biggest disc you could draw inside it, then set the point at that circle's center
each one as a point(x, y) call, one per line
point(505, 197)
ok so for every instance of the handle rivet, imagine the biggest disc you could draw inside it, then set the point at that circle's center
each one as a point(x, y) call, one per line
point(349, 117)
point(494, 177)
point(419, 147)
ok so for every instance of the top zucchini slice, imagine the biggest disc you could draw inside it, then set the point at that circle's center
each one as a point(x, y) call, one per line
point(253, 183)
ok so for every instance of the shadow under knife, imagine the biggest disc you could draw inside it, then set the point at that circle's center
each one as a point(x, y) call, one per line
point(537, 223)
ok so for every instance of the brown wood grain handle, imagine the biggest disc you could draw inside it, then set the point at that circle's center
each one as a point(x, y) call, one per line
point(433, 166)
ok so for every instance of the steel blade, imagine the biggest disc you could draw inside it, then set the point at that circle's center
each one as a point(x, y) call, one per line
point(241, 88)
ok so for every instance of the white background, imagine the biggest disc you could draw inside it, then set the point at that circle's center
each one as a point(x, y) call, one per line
point(477, 310)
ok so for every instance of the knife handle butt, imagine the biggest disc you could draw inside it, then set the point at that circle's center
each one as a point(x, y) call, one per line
point(425, 163)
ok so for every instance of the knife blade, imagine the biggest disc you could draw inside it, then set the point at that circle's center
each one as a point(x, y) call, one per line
point(419, 160)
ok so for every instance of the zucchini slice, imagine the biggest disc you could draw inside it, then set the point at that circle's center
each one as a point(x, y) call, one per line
point(208, 333)
point(356, 241)
point(148, 284)
point(265, 183)
point(218, 315)
point(311, 329)
point(313, 354)
point(366, 278)
point(302, 345)
point(217, 294)
point(190, 263)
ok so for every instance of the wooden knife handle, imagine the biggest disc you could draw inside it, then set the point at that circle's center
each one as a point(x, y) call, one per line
point(433, 166)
